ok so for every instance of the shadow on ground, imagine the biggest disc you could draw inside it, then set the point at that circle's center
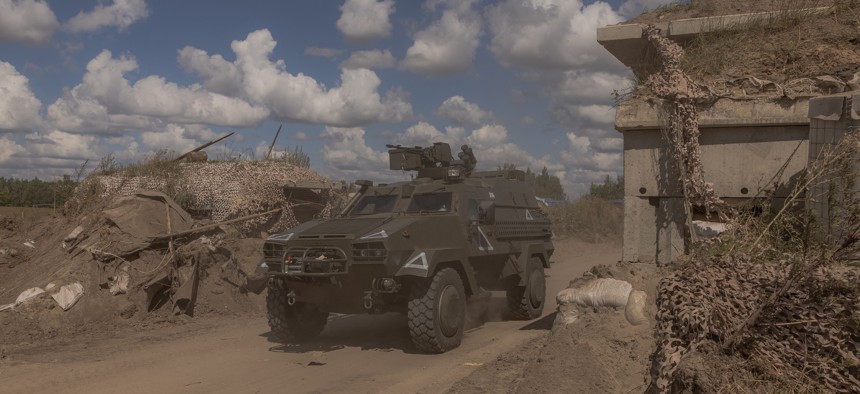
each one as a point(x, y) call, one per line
point(389, 332)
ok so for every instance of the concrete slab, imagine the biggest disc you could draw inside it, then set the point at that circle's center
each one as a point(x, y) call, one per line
point(827, 108)
point(643, 114)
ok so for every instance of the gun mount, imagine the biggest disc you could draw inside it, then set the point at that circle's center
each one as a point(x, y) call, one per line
point(435, 162)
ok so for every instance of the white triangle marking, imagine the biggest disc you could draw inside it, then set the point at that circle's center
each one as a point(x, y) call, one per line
point(489, 246)
point(381, 234)
point(419, 262)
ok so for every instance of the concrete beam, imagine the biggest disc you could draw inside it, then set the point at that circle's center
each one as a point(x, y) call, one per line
point(643, 114)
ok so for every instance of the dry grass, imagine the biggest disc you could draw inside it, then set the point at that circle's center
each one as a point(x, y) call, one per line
point(25, 213)
point(590, 219)
point(790, 42)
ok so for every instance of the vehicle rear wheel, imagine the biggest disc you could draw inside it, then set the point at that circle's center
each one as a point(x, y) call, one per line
point(292, 323)
point(437, 312)
point(526, 302)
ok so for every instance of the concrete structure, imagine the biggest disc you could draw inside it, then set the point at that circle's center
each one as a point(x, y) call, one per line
point(830, 118)
point(747, 146)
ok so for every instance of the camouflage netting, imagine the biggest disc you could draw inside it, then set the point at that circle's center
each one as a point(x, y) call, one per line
point(231, 189)
point(682, 95)
point(811, 334)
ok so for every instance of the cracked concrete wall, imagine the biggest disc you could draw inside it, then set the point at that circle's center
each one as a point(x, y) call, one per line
point(829, 119)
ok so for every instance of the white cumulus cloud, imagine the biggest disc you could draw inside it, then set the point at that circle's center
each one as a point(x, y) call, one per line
point(601, 114)
point(299, 97)
point(363, 21)
point(28, 21)
point(550, 34)
point(346, 155)
point(105, 96)
point(462, 112)
point(218, 75)
point(370, 59)
point(9, 148)
point(120, 14)
point(178, 138)
point(448, 46)
point(19, 107)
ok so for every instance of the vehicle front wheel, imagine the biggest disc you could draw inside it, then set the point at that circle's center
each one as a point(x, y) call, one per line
point(526, 302)
point(437, 312)
point(292, 323)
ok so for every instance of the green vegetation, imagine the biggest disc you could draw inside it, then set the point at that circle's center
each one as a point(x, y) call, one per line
point(608, 190)
point(590, 219)
point(545, 185)
point(33, 192)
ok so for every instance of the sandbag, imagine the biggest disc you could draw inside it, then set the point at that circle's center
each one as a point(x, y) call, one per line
point(635, 309)
point(597, 293)
point(566, 314)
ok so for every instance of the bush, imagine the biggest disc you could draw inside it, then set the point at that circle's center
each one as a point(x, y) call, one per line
point(590, 219)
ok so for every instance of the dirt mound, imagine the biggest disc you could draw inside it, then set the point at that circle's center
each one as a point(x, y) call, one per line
point(132, 272)
point(599, 352)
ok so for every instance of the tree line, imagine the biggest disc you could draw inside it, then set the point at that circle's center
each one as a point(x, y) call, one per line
point(34, 192)
point(549, 186)
point(610, 189)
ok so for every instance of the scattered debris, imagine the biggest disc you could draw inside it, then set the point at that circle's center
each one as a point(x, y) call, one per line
point(72, 237)
point(23, 297)
point(119, 284)
point(707, 230)
point(68, 295)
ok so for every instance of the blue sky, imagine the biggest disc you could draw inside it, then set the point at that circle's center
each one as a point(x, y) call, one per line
point(522, 81)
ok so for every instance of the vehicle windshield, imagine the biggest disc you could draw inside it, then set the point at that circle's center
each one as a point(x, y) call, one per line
point(430, 202)
point(369, 205)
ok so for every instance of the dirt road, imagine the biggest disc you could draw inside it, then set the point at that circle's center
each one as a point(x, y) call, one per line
point(356, 353)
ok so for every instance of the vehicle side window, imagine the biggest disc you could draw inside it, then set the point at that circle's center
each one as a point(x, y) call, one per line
point(473, 209)
point(430, 202)
point(369, 205)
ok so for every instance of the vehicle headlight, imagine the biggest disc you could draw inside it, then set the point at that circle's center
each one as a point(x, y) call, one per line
point(369, 251)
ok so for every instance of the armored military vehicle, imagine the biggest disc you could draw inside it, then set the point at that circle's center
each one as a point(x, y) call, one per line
point(421, 247)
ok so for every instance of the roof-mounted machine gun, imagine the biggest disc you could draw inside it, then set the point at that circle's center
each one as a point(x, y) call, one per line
point(432, 162)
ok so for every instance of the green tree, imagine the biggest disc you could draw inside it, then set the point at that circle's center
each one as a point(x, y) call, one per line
point(545, 185)
point(610, 189)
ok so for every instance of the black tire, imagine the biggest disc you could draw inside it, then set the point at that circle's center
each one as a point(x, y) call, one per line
point(437, 312)
point(292, 323)
point(526, 302)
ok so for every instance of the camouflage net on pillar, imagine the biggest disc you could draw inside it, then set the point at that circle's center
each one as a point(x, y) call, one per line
point(682, 95)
